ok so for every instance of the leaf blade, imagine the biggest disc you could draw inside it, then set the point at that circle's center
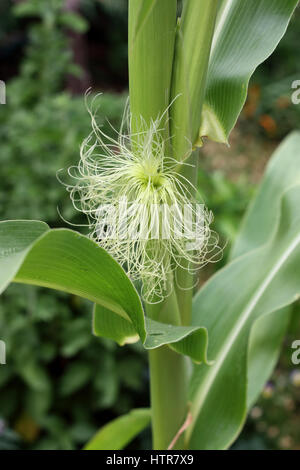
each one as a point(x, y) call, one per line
point(282, 172)
point(267, 332)
point(190, 341)
point(246, 35)
point(118, 433)
point(219, 392)
point(65, 260)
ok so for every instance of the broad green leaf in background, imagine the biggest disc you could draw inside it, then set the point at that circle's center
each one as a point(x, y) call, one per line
point(283, 171)
point(190, 341)
point(266, 338)
point(268, 332)
point(65, 260)
point(15, 239)
point(73, 21)
point(260, 282)
point(119, 432)
point(246, 33)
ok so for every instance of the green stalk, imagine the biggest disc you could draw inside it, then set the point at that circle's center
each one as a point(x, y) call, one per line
point(168, 374)
point(151, 39)
point(152, 27)
point(193, 44)
point(152, 30)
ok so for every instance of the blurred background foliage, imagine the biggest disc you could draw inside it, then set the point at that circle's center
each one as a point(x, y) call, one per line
point(60, 384)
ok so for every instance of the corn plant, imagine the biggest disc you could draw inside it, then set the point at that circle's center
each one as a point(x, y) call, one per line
point(209, 354)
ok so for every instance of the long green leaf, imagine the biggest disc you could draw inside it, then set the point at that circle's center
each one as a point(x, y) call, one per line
point(268, 331)
point(283, 171)
point(65, 260)
point(255, 284)
point(246, 33)
point(119, 432)
point(16, 238)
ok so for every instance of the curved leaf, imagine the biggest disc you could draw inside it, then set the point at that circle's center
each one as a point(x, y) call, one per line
point(62, 259)
point(283, 171)
point(65, 260)
point(255, 284)
point(268, 331)
point(188, 340)
point(246, 33)
point(16, 238)
point(107, 324)
point(119, 432)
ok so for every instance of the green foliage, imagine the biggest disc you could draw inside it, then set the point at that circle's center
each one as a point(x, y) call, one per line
point(257, 277)
point(50, 372)
point(119, 432)
point(273, 421)
point(227, 201)
point(36, 142)
point(245, 35)
point(52, 356)
point(270, 94)
point(66, 260)
point(48, 57)
point(62, 259)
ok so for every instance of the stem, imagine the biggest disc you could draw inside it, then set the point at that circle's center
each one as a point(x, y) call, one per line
point(192, 49)
point(184, 279)
point(168, 378)
point(155, 75)
point(168, 395)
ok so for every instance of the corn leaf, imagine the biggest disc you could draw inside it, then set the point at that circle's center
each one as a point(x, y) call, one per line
point(61, 259)
point(190, 341)
point(282, 172)
point(118, 433)
point(246, 33)
point(268, 331)
point(260, 282)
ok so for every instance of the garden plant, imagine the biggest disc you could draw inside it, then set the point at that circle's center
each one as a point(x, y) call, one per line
point(210, 353)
